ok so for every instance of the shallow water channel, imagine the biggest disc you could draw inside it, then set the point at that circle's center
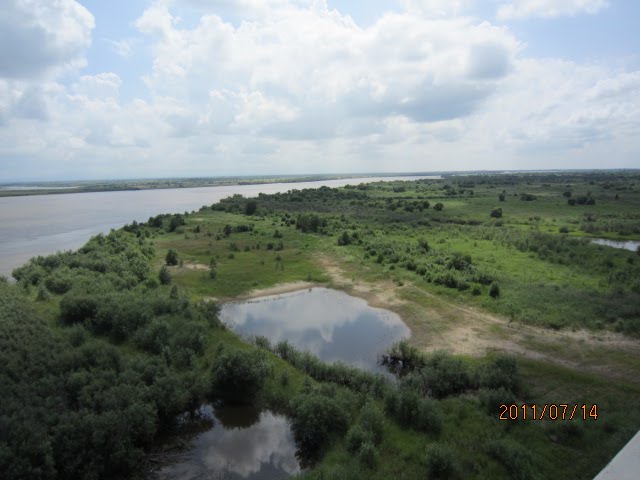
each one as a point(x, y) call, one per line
point(246, 444)
point(626, 245)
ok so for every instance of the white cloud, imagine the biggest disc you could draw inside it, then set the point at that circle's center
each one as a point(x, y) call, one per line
point(549, 8)
point(102, 85)
point(441, 8)
point(303, 88)
point(314, 72)
point(38, 36)
point(122, 48)
point(563, 109)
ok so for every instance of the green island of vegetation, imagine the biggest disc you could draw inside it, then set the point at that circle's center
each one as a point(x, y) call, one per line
point(508, 301)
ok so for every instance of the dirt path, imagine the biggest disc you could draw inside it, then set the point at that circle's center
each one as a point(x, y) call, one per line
point(437, 323)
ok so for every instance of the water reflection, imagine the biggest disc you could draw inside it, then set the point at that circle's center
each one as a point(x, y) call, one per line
point(243, 444)
point(625, 245)
point(330, 324)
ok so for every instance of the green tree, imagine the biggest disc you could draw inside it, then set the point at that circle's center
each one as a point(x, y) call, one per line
point(239, 375)
point(172, 257)
point(344, 239)
point(317, 420)
point(250, 207)
point(164, 276)
point(438, 206)
point(496, 213)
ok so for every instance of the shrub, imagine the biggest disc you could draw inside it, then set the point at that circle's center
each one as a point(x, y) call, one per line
point(515, 458)
point(164, 276)
point(440, 462)
point(78, 307)
point(501, 197)
point(310, 223)
point(43, 294)
point(404, 356)
point(368, 454)
point(191, 336)
point(250, 207)
point(372, 421)
point(496, 213)
point(239, 375)
point(410, 409)
point(209, 311)
point(175, 222)
point(356, 436)
point(438, 207)
point(154, 337)
point(491, 399)
point(262, 342)
point(60, 281)
point(501, 372)
point(423, 245)
point(445, 375)
point(172, 257)
point(344, 239)
point(494, 290)
point(317, 420)
point(571, 201)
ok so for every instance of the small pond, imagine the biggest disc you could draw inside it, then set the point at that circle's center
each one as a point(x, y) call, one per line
point(626, 245)
point(328, 323)
point(243, 444)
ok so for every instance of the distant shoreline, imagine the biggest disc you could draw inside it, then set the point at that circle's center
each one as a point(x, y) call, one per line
point(42, 188)
point(21, 189)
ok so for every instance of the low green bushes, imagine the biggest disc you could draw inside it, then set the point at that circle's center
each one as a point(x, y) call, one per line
point(238, 375)
point(514, 457)
point(318, 420)
point(441, 463)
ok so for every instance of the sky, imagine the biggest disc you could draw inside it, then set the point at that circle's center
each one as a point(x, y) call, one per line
point(180, 88)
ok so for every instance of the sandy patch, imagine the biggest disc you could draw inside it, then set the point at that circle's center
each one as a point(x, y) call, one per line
point(195, 266)
point(277, 290)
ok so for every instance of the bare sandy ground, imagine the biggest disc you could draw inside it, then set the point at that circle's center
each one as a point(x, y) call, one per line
point(277, 290)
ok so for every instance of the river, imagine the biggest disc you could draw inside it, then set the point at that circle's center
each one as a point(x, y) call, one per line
point(44, 224)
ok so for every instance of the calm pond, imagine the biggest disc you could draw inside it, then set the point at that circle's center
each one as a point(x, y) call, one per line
point(44, 224)
point(627, 245)
point(243, 444)
point(330, 324)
